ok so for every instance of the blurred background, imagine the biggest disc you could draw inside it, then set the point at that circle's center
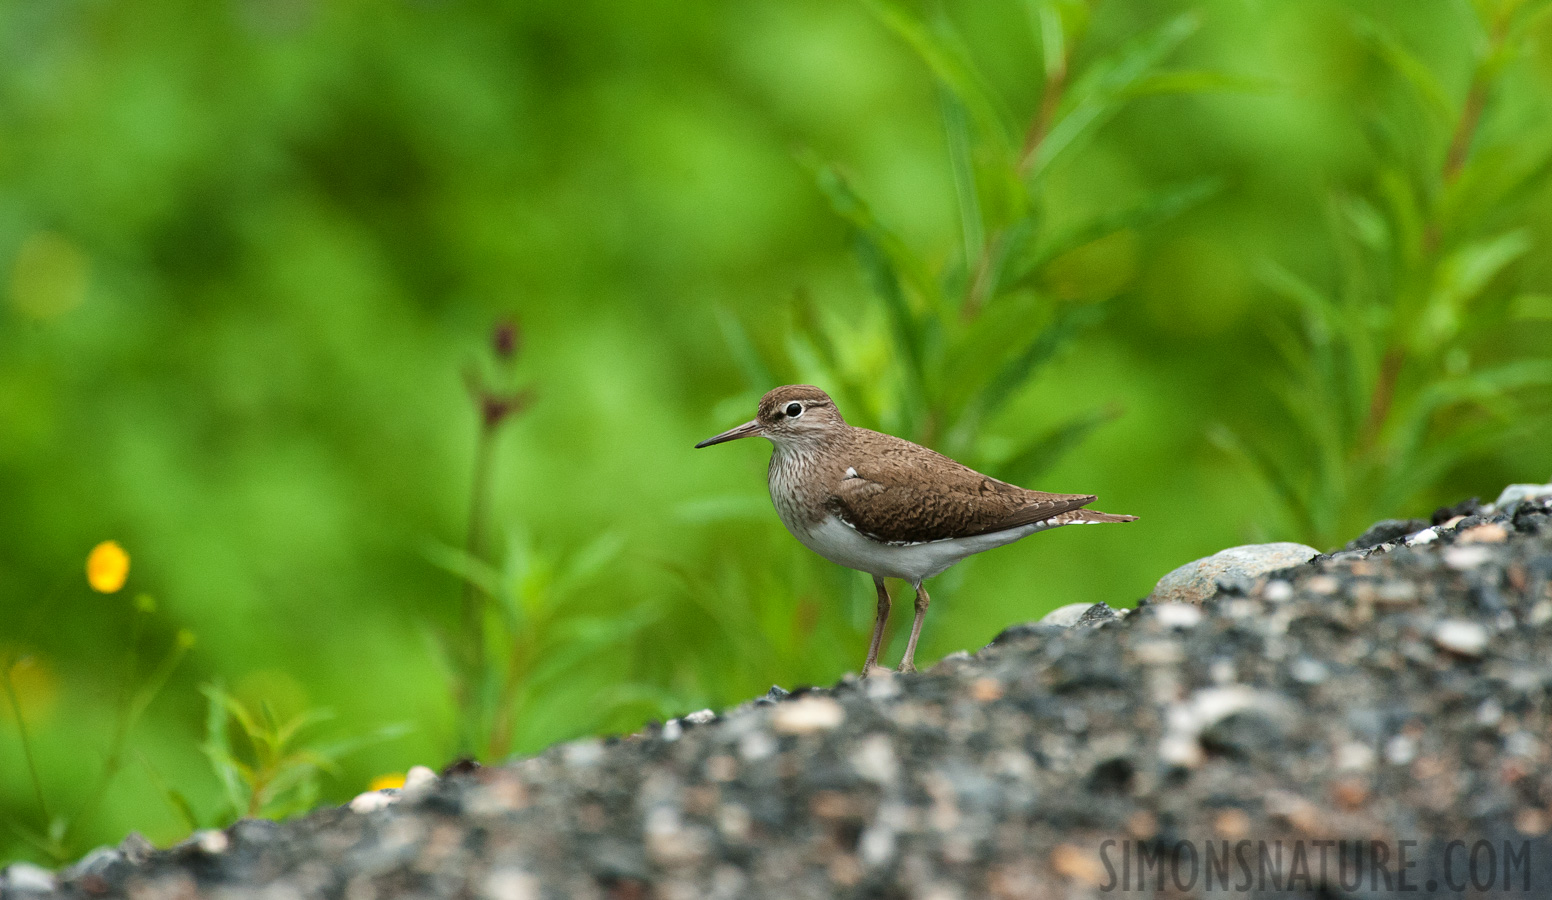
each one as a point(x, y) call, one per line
point(378, 335)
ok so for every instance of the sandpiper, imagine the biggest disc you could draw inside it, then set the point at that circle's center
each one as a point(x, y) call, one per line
point(885, 506)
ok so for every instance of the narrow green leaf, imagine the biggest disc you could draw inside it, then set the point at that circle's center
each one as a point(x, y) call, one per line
point(1103, 89)
point(1460, 278)
point(958, 138)
point(1428, 89)
point(947, 59)
point(1069, 322)
point(1271, 473)
point(1153, 209)
point(1199, 81)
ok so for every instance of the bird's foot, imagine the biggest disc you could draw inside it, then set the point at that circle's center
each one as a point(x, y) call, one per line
point(906, 668)
point(875, 671)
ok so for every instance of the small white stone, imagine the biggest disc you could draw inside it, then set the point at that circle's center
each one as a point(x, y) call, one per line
point(672, 730)
point(1308, 671)
point(701, 717)
point(1354, 757)
point(1065, 616)
point(1278, 590)
point(1396, 593)
point(27, 877)
point(511, 884)
point(1461, 636)
point(1522, 744)
point(807, 715)
point(1427, 535)
point(877, 845)
point(372, 801)
point(1400, 750)
point(756, 745)
point(583, 754)
point(1541, 613)
point(1490, 713)
point(419, 777)
point(875, 760)
point(1177, 615)
point(1323, 585)
point(881, 686)
point(212, 841)
point(1466, 557)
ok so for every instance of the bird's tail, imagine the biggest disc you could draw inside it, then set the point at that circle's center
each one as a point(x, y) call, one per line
point(1089, 517)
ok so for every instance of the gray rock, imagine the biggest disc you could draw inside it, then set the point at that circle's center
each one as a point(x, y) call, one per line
point(1385, 531)
point(1065, 616)
point(1516, 494)
point(1196, 581)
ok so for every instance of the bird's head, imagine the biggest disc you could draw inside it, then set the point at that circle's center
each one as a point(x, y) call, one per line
point(793, 415)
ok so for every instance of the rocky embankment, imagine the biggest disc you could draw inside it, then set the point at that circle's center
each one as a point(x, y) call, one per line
point(1356, 725)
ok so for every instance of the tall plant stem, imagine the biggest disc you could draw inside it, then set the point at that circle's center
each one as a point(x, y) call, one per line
point(1461, 138)
point(1040, 126)
point(21, 729)
point(473, 606)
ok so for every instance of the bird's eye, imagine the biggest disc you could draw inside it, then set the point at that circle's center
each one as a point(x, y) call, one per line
point(794, 410)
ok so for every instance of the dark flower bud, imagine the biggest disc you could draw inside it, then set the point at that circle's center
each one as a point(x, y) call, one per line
point(507, 339)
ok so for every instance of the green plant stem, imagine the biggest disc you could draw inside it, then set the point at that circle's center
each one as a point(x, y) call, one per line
point(21, 729)
point(470, 690)
point(1040, 126)
point(133, 710)
point(1383, 397)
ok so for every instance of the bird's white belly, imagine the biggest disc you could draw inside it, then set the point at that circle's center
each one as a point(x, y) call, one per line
point(841, 544)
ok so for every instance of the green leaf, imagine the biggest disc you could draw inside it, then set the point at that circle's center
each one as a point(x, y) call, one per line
point(1105, 85)
point(455, 561)
point(1157, 207)
point(1199, 81)
point(1273, 475)
point(946, 58)
point(1459, 279)
point(1070, 321)
point(1427, 88)
point(960, 163)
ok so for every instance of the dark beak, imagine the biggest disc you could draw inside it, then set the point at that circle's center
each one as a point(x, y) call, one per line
point(747, 429)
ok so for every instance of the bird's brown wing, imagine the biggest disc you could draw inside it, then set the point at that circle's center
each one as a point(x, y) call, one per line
point(900, 492)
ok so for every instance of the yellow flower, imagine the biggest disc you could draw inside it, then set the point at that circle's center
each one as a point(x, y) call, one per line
point(386, 781)
point(106, 567)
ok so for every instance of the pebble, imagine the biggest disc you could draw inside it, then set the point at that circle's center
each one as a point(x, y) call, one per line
point(419, 778)
point(1196, 581)
point(372, 801)
point(1065, 616)
point(27, 877)
point(1516, 494)
point(1461, 636)
point(1177, 615)
point(807, 714)
point(1467, 557)
point(1491, 533)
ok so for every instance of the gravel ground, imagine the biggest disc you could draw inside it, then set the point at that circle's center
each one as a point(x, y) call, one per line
point(1395, 696)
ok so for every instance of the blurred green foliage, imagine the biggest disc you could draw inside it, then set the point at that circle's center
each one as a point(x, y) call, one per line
point(249, 249)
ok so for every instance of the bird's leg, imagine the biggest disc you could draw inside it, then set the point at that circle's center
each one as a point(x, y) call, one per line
point(878, 626)
point(908, 663)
